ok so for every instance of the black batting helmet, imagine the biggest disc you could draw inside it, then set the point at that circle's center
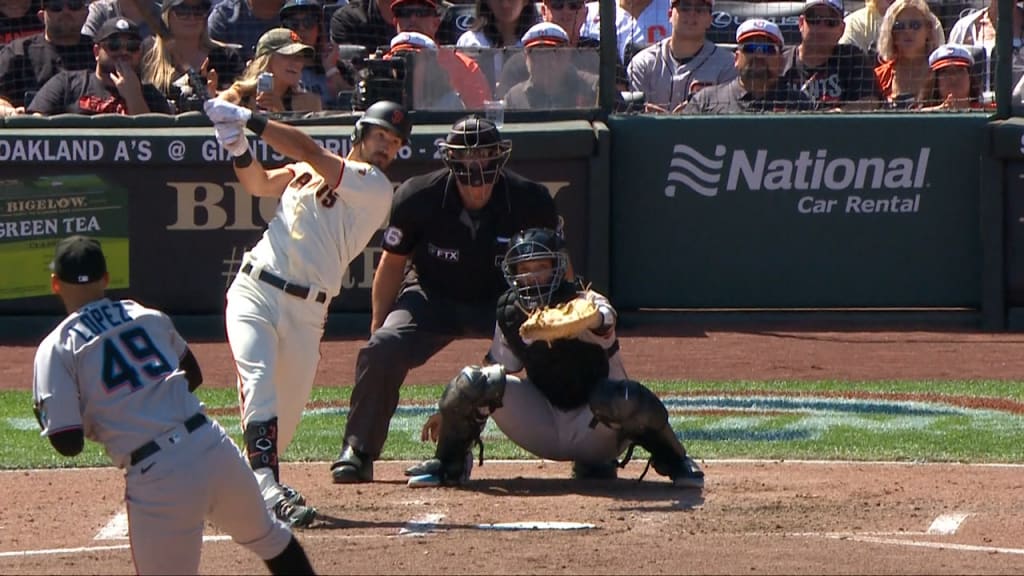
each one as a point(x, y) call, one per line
point(535, 288)
point(388, 115)
point(474, 151)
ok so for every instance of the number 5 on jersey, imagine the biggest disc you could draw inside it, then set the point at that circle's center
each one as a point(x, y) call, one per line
point(120, 368)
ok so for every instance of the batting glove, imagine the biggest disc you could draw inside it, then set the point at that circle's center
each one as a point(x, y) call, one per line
point(231, 136)
point(219, 110)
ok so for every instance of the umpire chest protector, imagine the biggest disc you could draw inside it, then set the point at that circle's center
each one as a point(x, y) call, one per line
point(566, 370)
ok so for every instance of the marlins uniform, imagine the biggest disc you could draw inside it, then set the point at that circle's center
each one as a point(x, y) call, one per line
point(111, 369)
point(277, 304)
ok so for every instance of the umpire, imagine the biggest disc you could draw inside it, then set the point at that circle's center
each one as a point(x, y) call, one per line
point(439, 276)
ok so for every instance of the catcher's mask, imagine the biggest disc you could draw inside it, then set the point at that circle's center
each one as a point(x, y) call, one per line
point(535, 289)
point(474, 151)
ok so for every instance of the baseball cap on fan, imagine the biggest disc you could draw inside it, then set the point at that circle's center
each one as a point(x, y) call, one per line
point(411, 42)
point(283, 41)
point(545, 34)
point(758, 28)
point(116, 26)
point(836, 5)
point(950, 55)
point(79, 260)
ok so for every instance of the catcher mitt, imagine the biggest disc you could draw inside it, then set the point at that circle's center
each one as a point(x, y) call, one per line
point(564, 320)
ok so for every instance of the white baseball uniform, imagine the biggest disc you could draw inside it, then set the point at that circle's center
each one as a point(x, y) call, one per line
point(111, 369)
point(274, 335)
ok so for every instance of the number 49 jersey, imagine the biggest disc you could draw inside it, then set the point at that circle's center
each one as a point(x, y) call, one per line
point(322, 226)
point(111, 368)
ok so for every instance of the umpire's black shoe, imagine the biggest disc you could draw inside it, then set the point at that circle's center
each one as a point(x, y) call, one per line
point(352, 467)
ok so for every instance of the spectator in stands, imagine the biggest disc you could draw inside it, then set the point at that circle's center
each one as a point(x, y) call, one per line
point(113, 87)
point(757, 86)
point(18, 19)
point(498, 24)
point(431, 88)
point(554, 82)
point(908, 34)
point(569, 15)
point(628, 35)
point(371, 23)
point(424, 17)
point(243, 22)
point(102, 10)
point(832, 75)
point(280, 52)
point(165, 63)
point(978, 28)
point(862, 26)
point(670, 71)
point(652, 19)
point(27, 63)
point(955, 88)
point(321, 75)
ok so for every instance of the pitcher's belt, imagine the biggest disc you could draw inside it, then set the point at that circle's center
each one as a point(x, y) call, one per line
point(296, 290)
point(151, 447)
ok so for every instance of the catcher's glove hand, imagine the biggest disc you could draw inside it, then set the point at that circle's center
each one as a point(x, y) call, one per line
point(565, 320)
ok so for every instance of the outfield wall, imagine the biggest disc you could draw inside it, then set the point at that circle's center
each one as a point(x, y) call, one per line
point(900, 211)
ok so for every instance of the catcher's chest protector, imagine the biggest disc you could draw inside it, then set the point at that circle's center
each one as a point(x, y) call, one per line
point(565, 372)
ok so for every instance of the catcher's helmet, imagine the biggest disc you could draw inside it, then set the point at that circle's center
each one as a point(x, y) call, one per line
point(474, 151)
point(535, 288)
point(386, 114)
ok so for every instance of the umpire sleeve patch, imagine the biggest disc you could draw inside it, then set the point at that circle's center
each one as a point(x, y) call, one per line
point(392, 237)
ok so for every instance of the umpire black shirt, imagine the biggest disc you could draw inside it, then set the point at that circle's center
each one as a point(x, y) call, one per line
point(452, 252)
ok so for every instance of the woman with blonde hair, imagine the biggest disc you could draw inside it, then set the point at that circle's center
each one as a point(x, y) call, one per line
point(166, 62)
point(909, 33)
point(281, 53)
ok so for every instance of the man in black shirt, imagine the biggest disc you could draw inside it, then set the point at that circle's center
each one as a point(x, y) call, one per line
point(112, 87)
point(371, 23)
point(439, 275)
point(829, 73)
point(575, 401)
point(758, 87)
point(27, 63)
point(554, 82)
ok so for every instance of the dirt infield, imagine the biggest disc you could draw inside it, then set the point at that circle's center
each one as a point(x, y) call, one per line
point(752, 518)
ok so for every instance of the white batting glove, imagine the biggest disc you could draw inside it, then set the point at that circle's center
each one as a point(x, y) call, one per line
point(231, 136)
point(219, 110)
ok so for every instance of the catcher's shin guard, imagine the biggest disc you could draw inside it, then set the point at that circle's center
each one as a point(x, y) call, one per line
point(642, 418)
point(466, 403)
point(261, 445)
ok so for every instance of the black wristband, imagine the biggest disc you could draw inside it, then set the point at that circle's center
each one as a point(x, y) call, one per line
point(243, 160)
point(257, 123)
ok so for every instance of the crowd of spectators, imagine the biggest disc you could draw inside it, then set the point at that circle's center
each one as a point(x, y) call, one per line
point(69, 56)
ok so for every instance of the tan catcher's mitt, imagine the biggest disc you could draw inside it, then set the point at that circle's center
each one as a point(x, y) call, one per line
point(564, 320)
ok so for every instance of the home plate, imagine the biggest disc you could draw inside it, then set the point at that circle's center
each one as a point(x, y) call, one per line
point(536, 526)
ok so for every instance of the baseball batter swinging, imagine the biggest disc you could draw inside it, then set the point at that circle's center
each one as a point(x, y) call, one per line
point(330, 208)
point(119, 373)
point(575, 403)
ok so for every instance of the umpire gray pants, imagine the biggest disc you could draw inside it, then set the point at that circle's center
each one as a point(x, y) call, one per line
point(417, 328)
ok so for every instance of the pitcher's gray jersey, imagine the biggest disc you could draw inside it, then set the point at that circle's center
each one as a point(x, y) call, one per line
point(111, 368)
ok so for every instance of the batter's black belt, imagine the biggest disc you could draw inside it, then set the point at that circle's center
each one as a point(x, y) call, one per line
point(282, 284)
point(151, 447)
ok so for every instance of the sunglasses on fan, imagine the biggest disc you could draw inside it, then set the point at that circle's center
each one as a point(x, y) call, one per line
point(116, 44)
point(914, 25)
point(827, 21)
point(415, 12)
point(301, 22)
point(760, 48)
point(194, 11)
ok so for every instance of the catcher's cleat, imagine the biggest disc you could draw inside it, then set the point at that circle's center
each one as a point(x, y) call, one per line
point(595, 470)
point(293, 495)
point(295, 516)
point(688, 474)
point(430, 473)
point(352, 467)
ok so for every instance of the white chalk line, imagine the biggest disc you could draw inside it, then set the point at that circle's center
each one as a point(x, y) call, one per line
point(928, 544)
point(947, 524)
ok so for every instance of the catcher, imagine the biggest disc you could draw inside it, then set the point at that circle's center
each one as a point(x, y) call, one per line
point(575, 402)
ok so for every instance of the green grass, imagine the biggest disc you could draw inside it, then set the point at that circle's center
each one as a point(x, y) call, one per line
point(805, 427)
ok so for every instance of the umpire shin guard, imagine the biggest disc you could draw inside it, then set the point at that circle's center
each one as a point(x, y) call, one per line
point(261, 446)
point(292, 560)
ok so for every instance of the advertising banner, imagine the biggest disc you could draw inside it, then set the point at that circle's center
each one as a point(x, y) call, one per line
point(796, 211)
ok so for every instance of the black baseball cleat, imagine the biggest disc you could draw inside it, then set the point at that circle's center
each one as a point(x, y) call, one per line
point(293, 495)
point(688, 474)
point(295, 516)
point(352, 467)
